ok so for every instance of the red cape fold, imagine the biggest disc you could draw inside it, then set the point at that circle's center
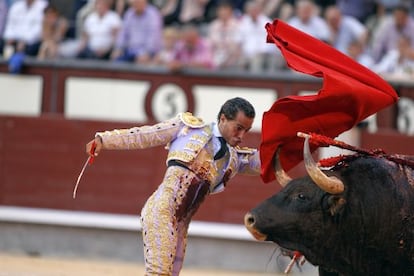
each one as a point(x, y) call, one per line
point(350, 93)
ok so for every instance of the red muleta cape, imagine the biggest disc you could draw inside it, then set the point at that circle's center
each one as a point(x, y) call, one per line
point(350, 93)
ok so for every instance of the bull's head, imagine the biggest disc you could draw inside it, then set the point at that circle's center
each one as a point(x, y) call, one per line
point(295, 204)
point(355, 219)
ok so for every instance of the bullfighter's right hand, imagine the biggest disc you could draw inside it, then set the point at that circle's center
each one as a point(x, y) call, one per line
point(97, 144)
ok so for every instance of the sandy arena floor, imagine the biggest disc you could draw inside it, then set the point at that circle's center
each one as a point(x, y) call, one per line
point(17, 265)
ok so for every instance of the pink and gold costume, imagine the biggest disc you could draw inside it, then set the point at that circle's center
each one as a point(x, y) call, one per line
point(191, 175)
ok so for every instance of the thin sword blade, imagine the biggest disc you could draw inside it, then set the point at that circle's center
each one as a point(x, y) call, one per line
point(80, 176)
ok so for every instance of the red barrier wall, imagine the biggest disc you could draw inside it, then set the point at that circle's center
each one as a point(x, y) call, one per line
point(40, 160)
point(41, 157)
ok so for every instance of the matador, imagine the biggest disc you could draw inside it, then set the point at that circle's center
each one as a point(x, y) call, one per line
point(201, 159)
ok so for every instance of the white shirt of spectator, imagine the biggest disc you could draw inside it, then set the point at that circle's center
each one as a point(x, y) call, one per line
point(225, 39)
point(316, 27)
point(253, 36)
point(100, 30)
point(25, 23)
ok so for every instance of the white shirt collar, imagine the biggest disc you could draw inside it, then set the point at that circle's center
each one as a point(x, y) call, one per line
point(216, 131)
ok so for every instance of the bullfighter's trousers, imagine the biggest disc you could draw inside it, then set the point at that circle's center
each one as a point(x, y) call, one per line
point(165, 219)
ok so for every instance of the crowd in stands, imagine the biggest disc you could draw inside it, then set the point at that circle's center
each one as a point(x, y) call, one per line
point(211, 34)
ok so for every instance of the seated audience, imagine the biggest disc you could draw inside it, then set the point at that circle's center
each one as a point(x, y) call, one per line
point(23, 29)
point(357, 51)
point(224, 37)
point(257, 55)
point(358, 9)
point(100, 31)
point(193, 51)
point(401, 23)
point(140, 36)
point(307, 20)
point(170, 37)
point(53, 32)
point(169, 9)
point(344, 29)
point(81, 16)
point(120, 6)
point(192, 11)
point(375, 20)
point(397, 62)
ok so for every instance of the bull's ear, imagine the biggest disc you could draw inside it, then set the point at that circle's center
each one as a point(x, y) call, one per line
point(336, 204)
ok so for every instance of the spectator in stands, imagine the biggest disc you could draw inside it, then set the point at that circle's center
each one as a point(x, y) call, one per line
point(23, 29)
point(100, 31)
point(390, 4)
point(120, 6)
point(169, 42)
point(307, 20)
point(256, 54)
point(357, 51)
point(81, 16)
point(140, 36)
point(3, 16)
point(192, 11)
point(359, 9)
point(181, 12)
point(238, 6)
point(286, 11)
point(54, 29)
point(400, 24)
point(225, 38)
point(397, 62)
point(170, 9)
point(193, 51)
point(285, 8)
point(344, 29)
point(376, 19)
point(85, 7)
point(271, 7)
point(324, 4)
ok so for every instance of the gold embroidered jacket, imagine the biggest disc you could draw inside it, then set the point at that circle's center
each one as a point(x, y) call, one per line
point(189, 140)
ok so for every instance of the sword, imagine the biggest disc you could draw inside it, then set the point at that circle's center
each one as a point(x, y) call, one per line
point(89, 161)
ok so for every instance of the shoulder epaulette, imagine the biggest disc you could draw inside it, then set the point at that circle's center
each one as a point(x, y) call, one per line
point(190, 120)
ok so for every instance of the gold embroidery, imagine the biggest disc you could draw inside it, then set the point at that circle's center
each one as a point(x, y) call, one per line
point(193, 147)
point(198, 137)
point(191, 121)
point(160, 210)
point(245, 150)
point(180, 155)
point(207, 131)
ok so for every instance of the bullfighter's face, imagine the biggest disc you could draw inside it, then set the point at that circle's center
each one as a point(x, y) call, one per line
point(234, 130)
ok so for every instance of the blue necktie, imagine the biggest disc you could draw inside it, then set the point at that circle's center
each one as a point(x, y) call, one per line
point(223, 149)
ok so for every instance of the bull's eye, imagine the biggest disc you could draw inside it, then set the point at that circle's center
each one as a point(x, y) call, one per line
point(301, 196)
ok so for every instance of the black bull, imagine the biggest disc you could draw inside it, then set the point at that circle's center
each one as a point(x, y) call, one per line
point(367, 229)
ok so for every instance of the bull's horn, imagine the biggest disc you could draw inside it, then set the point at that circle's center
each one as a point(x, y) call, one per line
point(281, 176)
point(329, 184)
